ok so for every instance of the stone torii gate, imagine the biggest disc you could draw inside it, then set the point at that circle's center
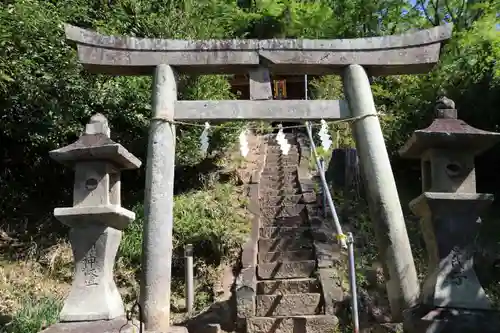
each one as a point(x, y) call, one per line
point(410, 53)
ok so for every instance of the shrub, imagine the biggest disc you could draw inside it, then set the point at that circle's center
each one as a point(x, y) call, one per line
point(34, 315)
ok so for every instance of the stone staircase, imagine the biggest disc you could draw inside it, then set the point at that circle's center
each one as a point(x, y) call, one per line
point(288, 293)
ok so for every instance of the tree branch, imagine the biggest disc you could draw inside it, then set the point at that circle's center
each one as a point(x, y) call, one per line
point(447, 5)
point(424, 9)
point(437, 19)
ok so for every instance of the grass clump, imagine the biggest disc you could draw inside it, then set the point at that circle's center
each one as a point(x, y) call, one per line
point(33, 315)
point(214, 220)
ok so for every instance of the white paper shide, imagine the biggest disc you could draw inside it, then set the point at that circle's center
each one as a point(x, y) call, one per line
point(244, 142)
point(204, 139)
point(282, 141)
point(324, 136)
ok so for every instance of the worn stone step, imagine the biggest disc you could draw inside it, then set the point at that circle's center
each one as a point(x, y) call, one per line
point(266, 191)
point(287, 305)
point(276, 151)
point(282, 211)
point(286, 270)
point(265, 184)
point(318, 210)
point(296, 324)
point(274, 146)
point(309, 198)
point(277, 177)
point(291, 286)
point(277, 158)
point(284, 244)
point(275, 232)
point(275, 164)
point(287, 256)
point(279, 184)
point(280, 169)
point(281, 200)
point(290, 221)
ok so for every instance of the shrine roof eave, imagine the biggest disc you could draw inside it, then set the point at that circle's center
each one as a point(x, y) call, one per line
point(95, 147)
point(408, 53)
point(467, 142)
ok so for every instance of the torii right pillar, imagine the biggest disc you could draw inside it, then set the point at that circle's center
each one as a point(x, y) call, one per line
point(452, 299)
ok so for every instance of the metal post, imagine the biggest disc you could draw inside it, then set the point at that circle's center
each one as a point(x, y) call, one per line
point(322, 163)
point(188, 255)
point(352, 283)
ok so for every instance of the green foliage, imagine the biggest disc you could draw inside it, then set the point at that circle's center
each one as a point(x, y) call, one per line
point(213, 220)
point(35, 314)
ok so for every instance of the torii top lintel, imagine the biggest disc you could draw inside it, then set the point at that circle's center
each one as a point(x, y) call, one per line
point(409, 53)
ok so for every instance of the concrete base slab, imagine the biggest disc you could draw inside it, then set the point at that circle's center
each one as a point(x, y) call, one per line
point(118, 325)
point(425, 319)
point(171, 329)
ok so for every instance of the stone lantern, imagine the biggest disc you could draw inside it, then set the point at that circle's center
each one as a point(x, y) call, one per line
point(96, 220)
point(452, 298)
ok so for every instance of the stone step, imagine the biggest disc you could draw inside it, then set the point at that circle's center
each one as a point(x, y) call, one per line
point(291, 156)
point(275, 232)
point(276, 177)
point(287, 256)
point(266, 191)
point(292, 286)
point(282, 176)
point(280, 164)
point(310, 198)
point(287, 305)
point(265, 184)
point(282, 211)
point(296, 324)
point(286, 270)
point(276, 151)
point(281, 200)
point(280, 169)
point(291, 221)
point(277, 163)
point(275, 147)
point(318, 209)
point(297, 243)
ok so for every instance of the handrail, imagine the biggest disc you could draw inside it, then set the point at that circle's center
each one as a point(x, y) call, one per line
point(347, 242)
point(326, 191)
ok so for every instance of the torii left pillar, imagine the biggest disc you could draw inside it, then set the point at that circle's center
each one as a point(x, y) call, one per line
point(159, 204)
